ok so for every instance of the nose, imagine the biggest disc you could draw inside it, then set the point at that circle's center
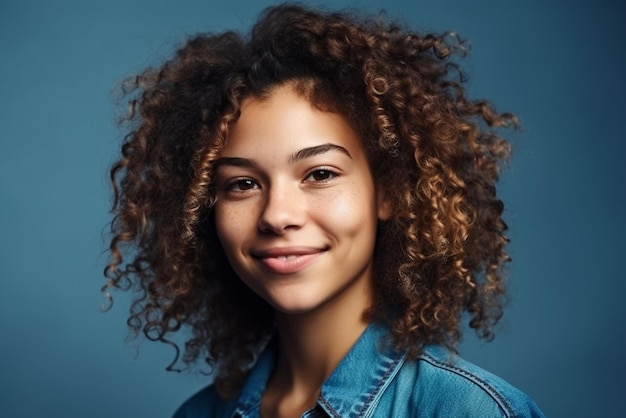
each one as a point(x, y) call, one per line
point(283, 210)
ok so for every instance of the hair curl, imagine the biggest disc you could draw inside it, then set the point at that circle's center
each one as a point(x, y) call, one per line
point(435, 152)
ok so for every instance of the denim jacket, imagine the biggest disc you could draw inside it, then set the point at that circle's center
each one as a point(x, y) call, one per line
point(370, 382)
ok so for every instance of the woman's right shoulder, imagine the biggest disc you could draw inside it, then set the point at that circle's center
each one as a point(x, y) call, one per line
point(205, 403)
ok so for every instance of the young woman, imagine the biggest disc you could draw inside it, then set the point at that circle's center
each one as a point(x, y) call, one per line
point(316, 202)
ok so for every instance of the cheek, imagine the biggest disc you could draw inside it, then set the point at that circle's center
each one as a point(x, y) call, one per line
point(348, 212)
point(229, 226)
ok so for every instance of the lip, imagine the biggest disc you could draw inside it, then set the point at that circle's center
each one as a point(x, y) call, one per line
point(287, 260)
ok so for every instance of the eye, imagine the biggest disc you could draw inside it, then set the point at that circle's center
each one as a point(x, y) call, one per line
point(321, 175)
point(242, 184)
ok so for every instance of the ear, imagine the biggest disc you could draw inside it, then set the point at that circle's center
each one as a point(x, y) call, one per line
point(385, 209)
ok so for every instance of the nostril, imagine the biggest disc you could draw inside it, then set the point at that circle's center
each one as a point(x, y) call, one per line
point(281, 212)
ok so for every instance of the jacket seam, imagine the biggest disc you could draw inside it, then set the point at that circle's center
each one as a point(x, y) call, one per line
point(372, 393)
point(489, 389)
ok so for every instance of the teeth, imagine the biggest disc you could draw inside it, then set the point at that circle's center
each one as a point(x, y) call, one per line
point(286, 257)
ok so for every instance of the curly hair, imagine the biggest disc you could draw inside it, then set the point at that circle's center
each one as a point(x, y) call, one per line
point(435, 153)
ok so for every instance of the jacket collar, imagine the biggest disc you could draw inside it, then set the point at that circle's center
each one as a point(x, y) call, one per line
point(355, 385)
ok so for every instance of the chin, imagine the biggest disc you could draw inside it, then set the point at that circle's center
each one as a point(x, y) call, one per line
point(293, 309)
point(294, 305)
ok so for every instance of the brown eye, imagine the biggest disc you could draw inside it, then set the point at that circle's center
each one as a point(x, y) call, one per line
point(242, 184)
point(321, 175)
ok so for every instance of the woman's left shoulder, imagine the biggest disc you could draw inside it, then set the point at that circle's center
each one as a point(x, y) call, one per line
point(452, 386)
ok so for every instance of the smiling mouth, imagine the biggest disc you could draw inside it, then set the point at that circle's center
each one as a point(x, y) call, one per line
point(285, 261)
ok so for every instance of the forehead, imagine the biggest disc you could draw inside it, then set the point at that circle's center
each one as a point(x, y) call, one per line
point(285, 120)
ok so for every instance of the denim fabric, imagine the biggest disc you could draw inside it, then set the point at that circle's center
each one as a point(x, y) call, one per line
point(375, 382)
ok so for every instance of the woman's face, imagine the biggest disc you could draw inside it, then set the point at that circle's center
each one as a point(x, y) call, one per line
point(296, 208)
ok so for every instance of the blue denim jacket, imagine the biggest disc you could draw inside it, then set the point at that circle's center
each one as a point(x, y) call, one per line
point(370, 382)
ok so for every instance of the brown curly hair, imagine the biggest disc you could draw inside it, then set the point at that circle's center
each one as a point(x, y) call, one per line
point(434, 152)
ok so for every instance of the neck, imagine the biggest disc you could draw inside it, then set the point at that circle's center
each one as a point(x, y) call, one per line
point(311, 345)
point(309, 350)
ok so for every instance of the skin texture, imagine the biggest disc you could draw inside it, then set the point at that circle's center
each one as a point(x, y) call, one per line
point(296, 213)
point(298, 231)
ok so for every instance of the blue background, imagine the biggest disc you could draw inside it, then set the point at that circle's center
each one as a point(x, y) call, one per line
point(558, 65)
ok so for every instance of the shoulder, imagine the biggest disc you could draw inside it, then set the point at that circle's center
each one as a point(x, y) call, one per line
point(205, 403)
point(451, 386)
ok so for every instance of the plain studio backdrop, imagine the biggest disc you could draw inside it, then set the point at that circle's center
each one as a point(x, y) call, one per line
point(558, 65)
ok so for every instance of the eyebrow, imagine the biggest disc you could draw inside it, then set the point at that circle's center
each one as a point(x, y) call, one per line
point(317, 150)
point(298, 156)
point(235, 161)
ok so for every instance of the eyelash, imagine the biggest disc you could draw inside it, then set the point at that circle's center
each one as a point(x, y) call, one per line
point(236, 184)
point(331, 174)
